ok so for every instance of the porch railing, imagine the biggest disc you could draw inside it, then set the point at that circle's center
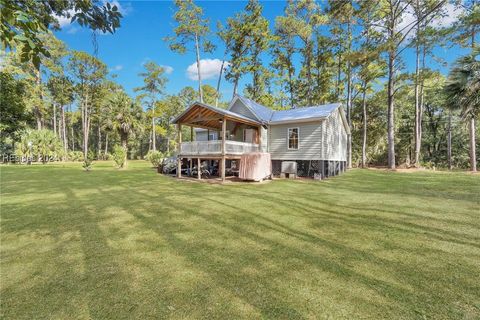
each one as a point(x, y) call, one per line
point(214, 147)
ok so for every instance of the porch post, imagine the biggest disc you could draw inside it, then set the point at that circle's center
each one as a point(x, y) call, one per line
point(191, 133)
point(179, 149)
point(199, 173)
point(224, 138)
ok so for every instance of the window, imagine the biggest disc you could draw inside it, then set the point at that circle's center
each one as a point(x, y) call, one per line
point(212, 136)
point(292, 138)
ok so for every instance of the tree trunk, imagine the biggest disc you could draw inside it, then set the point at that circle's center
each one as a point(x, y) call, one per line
point(99, 143)
point(106, 144)
point(339, 73)
point(349, 97)
point(308, 48)
point(64, 130)
point(154, 136)
point(124, 138)
point(197, 48)
point(449, 141)
point(473, 156)
point(235, 85)
point(364, 142)
point(390, 111)
point(55, 118)
point(36, 109)
point(417, 103)
point(218, 83)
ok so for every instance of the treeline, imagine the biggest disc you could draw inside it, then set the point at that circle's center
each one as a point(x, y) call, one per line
point(356, 52)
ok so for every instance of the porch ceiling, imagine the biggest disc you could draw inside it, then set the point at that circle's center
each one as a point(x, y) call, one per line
point(204, 116)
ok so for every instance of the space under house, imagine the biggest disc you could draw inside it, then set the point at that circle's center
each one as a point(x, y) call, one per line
point(313, 139)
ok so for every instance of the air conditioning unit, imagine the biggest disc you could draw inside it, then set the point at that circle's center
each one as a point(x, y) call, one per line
point(289, 169)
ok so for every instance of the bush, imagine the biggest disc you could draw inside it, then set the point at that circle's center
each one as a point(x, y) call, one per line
point(155, 157)
point(119, 156)
point(75, 155)
point(88, 162)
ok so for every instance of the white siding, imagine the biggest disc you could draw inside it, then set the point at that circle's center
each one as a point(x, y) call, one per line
point(334, 142)
point(310, 135)
point(319, 140)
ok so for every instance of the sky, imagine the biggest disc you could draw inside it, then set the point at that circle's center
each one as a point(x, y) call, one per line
point(146, 23)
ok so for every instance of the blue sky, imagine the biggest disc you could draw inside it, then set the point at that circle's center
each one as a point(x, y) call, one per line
point(146, 23)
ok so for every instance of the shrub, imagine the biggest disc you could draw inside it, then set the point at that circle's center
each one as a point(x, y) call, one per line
point(88, 162)
point(119, 156)
point(75, 155)
point(155, 157)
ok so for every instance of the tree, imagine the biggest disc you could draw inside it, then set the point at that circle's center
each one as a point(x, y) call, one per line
point(395, 36)
point(15, 116)
point(258, 39)
point(61, 90)
point(154, 81)
point(463, 93)
point(88, 72)
point(367, 58)
point(343, 11)
point(300, 20)
point(23, 22)
point(126, 118)
point(191, 28)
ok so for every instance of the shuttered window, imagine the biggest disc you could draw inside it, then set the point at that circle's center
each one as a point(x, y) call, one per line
point(292, 138)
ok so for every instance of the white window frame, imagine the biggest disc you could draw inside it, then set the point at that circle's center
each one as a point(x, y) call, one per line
point(298, 138)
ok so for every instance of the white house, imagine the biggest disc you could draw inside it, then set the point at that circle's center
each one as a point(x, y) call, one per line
point(314, 137)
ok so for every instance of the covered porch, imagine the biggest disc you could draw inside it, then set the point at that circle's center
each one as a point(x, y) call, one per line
point(234, 135)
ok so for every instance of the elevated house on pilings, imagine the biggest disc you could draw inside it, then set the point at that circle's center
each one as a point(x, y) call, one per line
point(313, 137)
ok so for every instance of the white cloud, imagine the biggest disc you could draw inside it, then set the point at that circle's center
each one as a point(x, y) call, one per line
point(447, 16)
point(118, 67)
point(64, 21)
point(451, 14)
point(168, 69)
point(210, 68)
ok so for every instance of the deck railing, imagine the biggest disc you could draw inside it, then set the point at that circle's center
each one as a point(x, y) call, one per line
point(214, 147)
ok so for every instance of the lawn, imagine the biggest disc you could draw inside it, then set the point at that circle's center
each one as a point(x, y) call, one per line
point(134, 244)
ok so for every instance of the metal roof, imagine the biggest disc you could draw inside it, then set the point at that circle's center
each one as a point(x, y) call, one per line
point(321, 111)
point(268, 115)
point(262, 113)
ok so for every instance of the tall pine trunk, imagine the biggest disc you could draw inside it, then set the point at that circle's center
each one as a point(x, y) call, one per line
point(391, 110)
point(473, 156)
point(449, 141)
point(364, 140)
point(218, 83)
point(417, 103)
point(106, 143)
point(55, 118)
point(349, 98)
point(64, 130)
point(154, 136)
point(197, 49)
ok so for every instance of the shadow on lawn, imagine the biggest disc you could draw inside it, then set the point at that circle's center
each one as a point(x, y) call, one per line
point(246, 253)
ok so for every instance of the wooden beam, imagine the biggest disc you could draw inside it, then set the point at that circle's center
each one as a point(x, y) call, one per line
point(179, 147)
point(191, 133)
point(199, 172)
point(224, 138)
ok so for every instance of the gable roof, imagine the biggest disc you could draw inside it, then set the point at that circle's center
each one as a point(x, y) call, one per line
point(262, 113)
point(267, 115)
point(304, 113)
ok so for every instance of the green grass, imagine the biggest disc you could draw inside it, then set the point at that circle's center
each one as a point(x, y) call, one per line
point(135, 244)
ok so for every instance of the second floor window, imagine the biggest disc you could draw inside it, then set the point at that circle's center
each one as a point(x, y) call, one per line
point(292, 138)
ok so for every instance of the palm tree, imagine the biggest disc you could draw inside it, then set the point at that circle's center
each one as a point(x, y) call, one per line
point(126, 117)
point(463, 93)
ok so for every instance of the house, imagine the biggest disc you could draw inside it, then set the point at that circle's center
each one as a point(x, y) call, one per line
point(314, 137)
